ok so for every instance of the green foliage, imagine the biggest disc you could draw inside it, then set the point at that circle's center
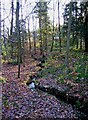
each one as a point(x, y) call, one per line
point(13, 62)
point(2, 79)
point(63, 75)
point(78, 72)
point(47, 71)
point(6, 51)
point(46, 64)
point(5, 101)
point(78, 104)
point(36, 82)
point(77, 22)
point(6, 104)
point(82, 71)
point(3, 50)
point(81, 67)
point(61, 79)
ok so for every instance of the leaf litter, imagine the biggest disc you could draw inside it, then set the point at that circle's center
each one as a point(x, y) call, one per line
point(20, 102)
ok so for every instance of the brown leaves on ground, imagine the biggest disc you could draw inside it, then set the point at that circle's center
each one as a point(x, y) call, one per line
point(20, 102)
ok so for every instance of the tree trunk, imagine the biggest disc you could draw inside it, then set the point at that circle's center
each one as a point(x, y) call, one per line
point(81, 31)
point(34, 42)
point(0, 43)
point(11, 30)
point(34, 37)
point(18, 37)
point(77, 42)
point(0, 67)
point(23, 49)
point(29, 36)
point(53, 30)
point(45, 35)
point(40, 36)
point(86, 32)
point(59, 25)
point(68, 37)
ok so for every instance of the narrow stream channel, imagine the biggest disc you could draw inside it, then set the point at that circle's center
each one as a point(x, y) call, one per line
point(81, 112)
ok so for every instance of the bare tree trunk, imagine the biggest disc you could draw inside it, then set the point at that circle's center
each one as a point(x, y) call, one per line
point(34, 39)
point(52, 40)
point(0, 43)
point(29, 36)
point(45, 35)
point(77, 42)
point(53, 30)
point(0, 67)
point(59, 25)
point(11, 30)
point(23, 38)
point(18, 37)
point(40, 36)
point(5, 43)
point(68, 37)
point(23, 49)
point(81, 32)
point(34, 42)
point(86, 31)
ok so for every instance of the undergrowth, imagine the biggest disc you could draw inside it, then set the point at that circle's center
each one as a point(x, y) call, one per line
point(55, 66)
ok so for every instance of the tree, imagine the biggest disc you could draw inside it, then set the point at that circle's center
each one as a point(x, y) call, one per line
point(0, 65)
point(45, 26)
point(68, 36)
point(0, 42)
point(53, 30)
point(11, 30)
point(18, 37)
point(86, 28)
point(40, 27)
point(43, 23)
point(23, 38)
point(74, 21)
point(29, 35)
point(34, 34)
point(59, 32)
point(79, 26)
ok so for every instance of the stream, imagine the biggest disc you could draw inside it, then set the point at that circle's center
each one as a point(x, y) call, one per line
point(61, 95)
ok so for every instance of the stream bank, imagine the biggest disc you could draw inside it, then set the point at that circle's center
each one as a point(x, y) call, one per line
point(62, 93)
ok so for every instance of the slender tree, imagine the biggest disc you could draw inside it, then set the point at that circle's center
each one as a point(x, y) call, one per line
point(11, 29)
point(29, 35)
point(59, 32)
point(53, 30)
point(22, 30)
point(18, 37)
point(0, 42)
point(34, 37)
point(45, 25)
point(77, 42)
point(68, 36)
point(40, 28)
point(0, 66)
point(86, 31)
point(41, 10)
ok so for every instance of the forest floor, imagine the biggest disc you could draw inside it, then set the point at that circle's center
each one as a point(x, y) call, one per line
point(23, 103)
